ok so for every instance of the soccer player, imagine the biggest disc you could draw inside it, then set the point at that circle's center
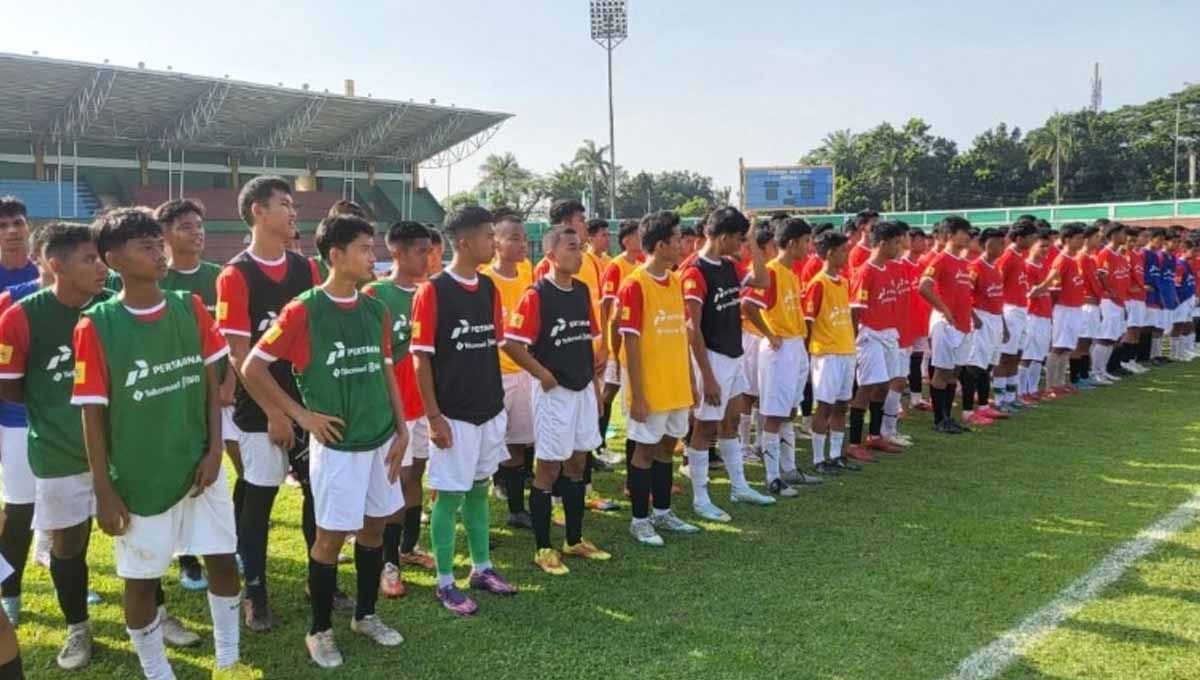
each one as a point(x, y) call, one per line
point(782, 359)
point(251, 291)
point(1011, 266)
point(512, 248)
point(916, 258)
point(711, 292)
point(409, 244)
point(987, 299)
point(658, 376)
point(1137, 334)
point(618, 270)
point(1112, 273)
point(860, 249)
point(1036, 347)
point(906, 277)
point(750, 417)
point(1067, 318)
point(1081, 374)
point(597, 242)
point(339, 346)
point(1185, 291)
point(689, 242)
point(550, 336)
point(457, 329)
point(946, 286)
point(149, 356)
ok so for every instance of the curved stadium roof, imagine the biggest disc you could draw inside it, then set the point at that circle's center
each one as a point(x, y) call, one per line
point(52, 100)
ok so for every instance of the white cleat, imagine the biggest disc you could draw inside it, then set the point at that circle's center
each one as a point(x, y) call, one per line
point(750, 497)
point(670, 521)
point(644, 532)
point(175, 635)
point(323, 649)
point(376, 630)
point(77, 649)
point(711, 512)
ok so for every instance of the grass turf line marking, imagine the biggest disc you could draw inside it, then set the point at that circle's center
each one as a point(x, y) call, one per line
point(990, 661)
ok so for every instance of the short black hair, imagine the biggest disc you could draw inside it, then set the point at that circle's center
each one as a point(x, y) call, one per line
point(1073, 229)
point(626, 228)
point(917, 233)
point(954, 224)
point(506, 214)
point(11, 206)
point(1042, 223)
point(885, 231)
point(726, 220)
point(345, 207)
point(1021, 229)
point(259, 190)
point(829, 241)
point(1091, 231)
point(563, 208)
point(1101, 223)
point(657, 227)
point(402, 234)
point(990, 233)
point(791, 229)
point(1044, 234)
point(763, 234)
point(596, 225)
point(688, 230)
point(1113, 229)
point(1027, 218)
point(61, 239)
point(821, 228)
point(174, 209)
point(864, 217)
point(339, 231)
point(119, 226)
point(849, 226)
point(466, 219)
point(435, 236)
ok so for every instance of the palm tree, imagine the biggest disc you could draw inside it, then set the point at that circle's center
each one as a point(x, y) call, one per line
point(1055, 145)
point(501, 173)
point(839, 150)
point(591, 161)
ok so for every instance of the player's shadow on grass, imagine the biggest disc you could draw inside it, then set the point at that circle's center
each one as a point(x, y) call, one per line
point(1121, 633)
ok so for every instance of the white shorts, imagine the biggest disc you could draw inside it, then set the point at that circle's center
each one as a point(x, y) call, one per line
point(986, 339)
point(418, 441)
point(660, 424)
point(1017, 320)
point(1112, 321)
point(1135, 313)
point(1183, 313)
point(203, 525)
point(781, 376)
point(564, 421)
point(750, 362)
point(263, 463)
point(6, 569)
point(951, 347)
point(230, 432)
point(612, 373)
point(921, 344)
point(731, 378)
point(20, 486)
point(1037, 338)
point(878, 356)
point(833, 378)
point(1164, 318)
point(350, 485)
point(475, 454)
point(64, 502)
point(518, 408)
point(1091, 322)
point(1066, 326)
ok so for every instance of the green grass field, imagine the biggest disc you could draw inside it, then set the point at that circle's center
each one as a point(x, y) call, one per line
point(897, 572)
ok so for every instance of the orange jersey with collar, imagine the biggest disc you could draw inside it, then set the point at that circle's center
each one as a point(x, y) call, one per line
point(510, 290)
point(653, 310)
point(780, 302)
point(827, 306)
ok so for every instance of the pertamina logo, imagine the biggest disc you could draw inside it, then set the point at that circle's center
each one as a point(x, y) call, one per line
point(141, 371)
point(338, 352)
point(668, 323)
point(560, 325)
point(267, 321)
point(59, 363)
point(463, 326)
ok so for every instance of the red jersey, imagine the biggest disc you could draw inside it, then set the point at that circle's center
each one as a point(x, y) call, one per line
point(233, 296)
point(906, 290)
point(1137, 274)
point(859, 255)
point(1092, 291)
point(1011, 266)
point(812, 266)
point(952, 281)
point(1072, 289)
point(1041, 304)
point(874, 292)
point(987, 287)
point(1116, 270)
point(918, 308)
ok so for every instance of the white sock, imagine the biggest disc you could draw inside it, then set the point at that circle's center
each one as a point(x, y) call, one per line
point(151, 652)
point(770, 446)
point(659, 512)
point(891, 410)
point(224, 612)
point(835, 443)
point(445, 580)
point(998, 389)
point(698, 466)
point(732, 454)
point(1156, 347)
point(787, 447)
point(1096, 354)
point(818, 447)
point(744, 422)
point(760, 427)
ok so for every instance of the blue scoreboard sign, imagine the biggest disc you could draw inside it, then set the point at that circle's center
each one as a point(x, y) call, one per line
point(788, 188)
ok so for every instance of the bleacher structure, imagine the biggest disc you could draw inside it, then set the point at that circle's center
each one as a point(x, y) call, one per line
point(79, 137)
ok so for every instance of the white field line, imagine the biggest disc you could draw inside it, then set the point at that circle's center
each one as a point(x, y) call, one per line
point(991, 660)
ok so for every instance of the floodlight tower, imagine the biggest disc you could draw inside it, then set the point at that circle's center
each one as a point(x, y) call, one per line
point(610, 27)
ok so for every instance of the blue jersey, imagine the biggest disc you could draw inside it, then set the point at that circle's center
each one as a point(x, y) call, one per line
point(13, 415)
point(1166, 291)
point(1185, 281)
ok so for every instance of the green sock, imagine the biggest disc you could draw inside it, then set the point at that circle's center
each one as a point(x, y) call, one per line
point(475, 519)
point(441, 531)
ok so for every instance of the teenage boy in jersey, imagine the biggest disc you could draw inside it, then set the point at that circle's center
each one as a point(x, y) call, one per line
point(987, 295)
point(618, 270)
point(916, 258)
point(1038, 333)
point(906, 276)
point(658, 376)
point(1112, 272)
point(339, 346)
point(512, 248)
point(409, 244)
point(946, 286)
point(1080, 363)
point(860, 248)
point(1015, 283)
point(689, 241)
point(1137, 334)
point(457, 330)
point(712, 287)
point(1157, 295)
point(1067, 322)
point(750, 417)
point(782, 359)
point(597, 242)
point(550, 336)
point(251, 291)
point(149, 356)
point(19, 483)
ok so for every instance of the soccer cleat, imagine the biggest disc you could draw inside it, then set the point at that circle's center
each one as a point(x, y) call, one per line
point(798, 477)
point(946, 427)
point(257, 615)
point(752, 456)
point(827, 468)
point(491, 581)
point(587, 550)
point(840, 463)
point(1009, 410)
point(750, 497)
point(520, 520)
point(670, 521)
point(455, 600)
point(192, 577)
point(391, 582)
point(978, 418)
point(550, 562)
point(12, 609)
point(418, 558)
point(1083, 384)
point(992, 412)
point(710, 512)
point(644, 532)
point(499, 492)
point(1030, 401)
point(323, 649)
point(379, 632)
point(611, 458)
point(598, 465)
point(93, 598)
point(780, 488)
point(877, 443)
point(859, 452)
point(902, 441)
point(175, 635)
point(597, 503)
point(76, 651)
point(238, 671)
point(921, 406)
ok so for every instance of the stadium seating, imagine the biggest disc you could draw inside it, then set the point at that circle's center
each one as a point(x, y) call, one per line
point(221, 204)
point(41, 198)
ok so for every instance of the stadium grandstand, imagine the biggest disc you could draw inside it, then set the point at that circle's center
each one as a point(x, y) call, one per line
point(77, 138)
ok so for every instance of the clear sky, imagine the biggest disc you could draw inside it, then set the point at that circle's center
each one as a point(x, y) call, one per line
point(697, 84)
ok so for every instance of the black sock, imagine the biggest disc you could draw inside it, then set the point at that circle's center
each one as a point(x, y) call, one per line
point(630, 445)
point(392, 534)
point(967, 381)
point(14, 544)
point(188, 562)
point(1143, 346)
point(308, 516)
point(160, 597)
point(539, 510)
point(876, 426)
point(70, 578)
point(572, 495)
point(983, 383)
point(807, 403)
point(1073, 368)
point(527, 466)
point(856, 424)
point(368, 564)
point(937, 396)
point(1085, 365)
point(914, 372)
point(412, 529)
point(253, 525)
point(12, 670)
point(605, 416)
point(239, 496)
point(660, 484)
point(322, 582)
point(587, 469)
point(639, 492)
point(514, 487)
